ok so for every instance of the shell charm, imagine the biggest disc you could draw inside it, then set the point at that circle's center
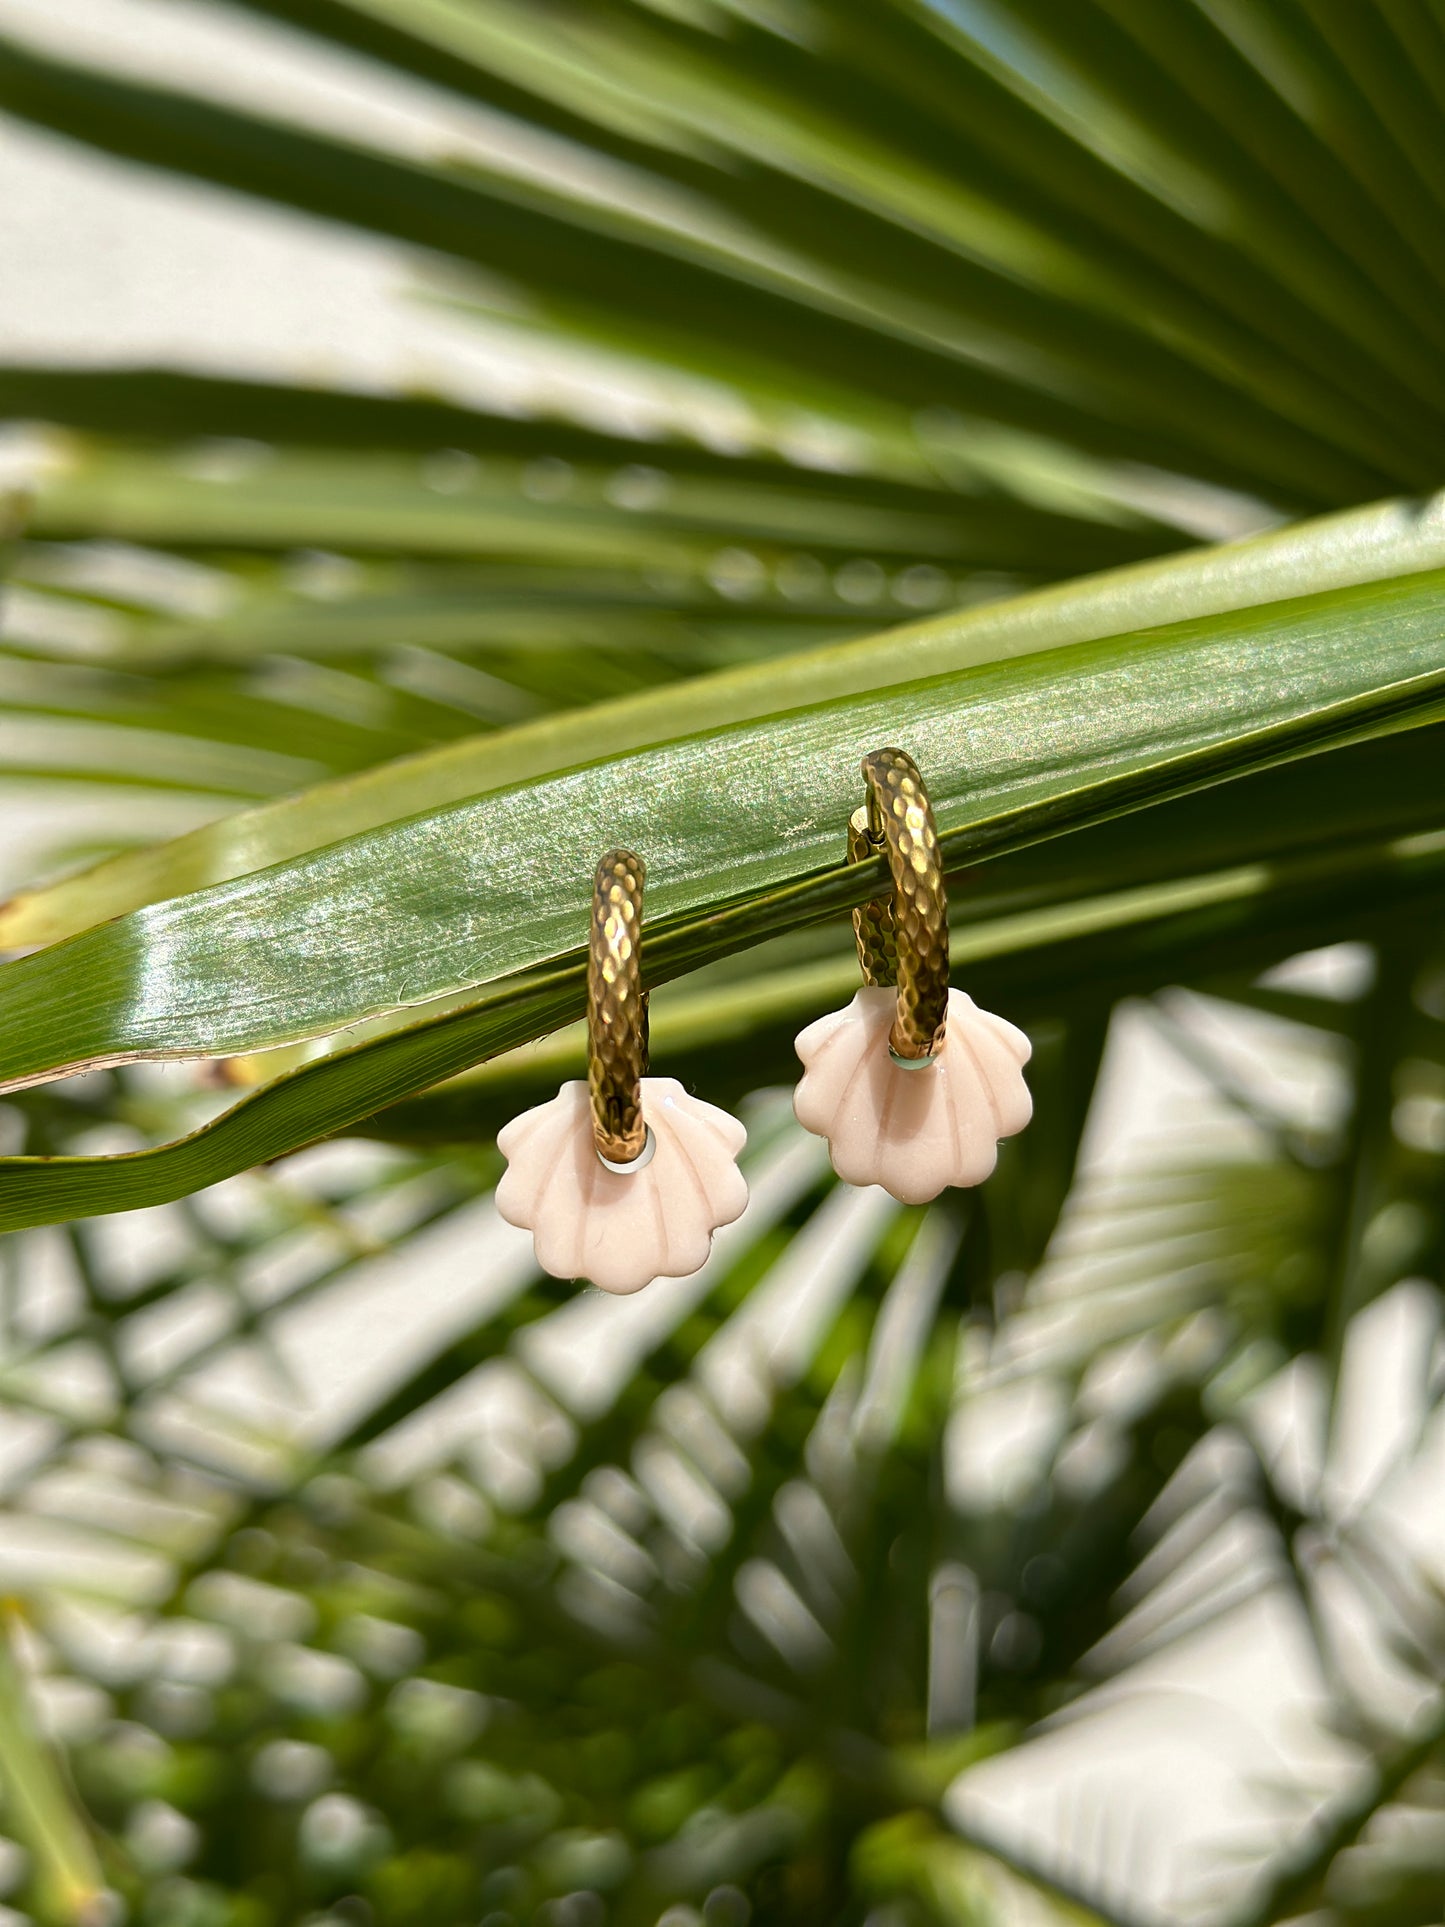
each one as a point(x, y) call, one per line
point(914, 1129)
point(622, 1226)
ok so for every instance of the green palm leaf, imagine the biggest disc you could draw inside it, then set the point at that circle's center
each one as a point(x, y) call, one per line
point(715, 1606)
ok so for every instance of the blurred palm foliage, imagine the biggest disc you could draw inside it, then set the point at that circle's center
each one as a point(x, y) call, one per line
point(367, 1576)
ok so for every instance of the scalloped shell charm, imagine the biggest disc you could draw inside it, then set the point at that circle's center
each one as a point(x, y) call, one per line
point(914, 1131)
point(623, 1228)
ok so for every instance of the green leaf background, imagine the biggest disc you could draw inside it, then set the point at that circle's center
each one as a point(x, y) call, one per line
point(1082, 369)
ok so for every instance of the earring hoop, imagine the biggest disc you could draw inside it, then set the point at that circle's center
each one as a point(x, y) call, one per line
point(623, 1178)
point(617, 1041)
point(903, 938)
point(913, 1135)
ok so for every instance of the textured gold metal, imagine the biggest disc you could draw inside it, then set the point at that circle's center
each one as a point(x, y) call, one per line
point(872, 921)
point(903, 939)
point(617, 1008)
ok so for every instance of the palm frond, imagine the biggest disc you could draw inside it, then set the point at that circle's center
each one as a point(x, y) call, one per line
point(368, 1575)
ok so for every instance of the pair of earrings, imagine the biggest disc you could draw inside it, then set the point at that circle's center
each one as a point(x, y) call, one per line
point(625, 1178)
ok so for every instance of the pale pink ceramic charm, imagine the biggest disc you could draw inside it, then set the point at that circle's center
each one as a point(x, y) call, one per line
point(622, 1227)
point(914, 1130)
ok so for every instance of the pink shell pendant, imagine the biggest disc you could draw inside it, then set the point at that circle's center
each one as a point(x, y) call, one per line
point(623, 1228)
point(914, 1131)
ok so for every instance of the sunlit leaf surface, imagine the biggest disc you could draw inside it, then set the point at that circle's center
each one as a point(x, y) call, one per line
point(1053, 391)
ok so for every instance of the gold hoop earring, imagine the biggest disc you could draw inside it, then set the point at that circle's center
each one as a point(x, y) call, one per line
point(617, 1040)
point(912, 1084)
point(623, 1177)
point(903, 938)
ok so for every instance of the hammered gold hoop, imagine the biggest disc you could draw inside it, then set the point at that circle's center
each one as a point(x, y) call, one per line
point(617, 1010)
point(903, 938)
